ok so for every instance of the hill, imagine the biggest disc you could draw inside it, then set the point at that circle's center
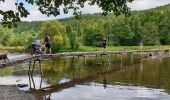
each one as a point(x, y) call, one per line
point(151, 27)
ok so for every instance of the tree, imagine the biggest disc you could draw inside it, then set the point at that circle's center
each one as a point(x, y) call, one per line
point(72, 38)
point(6, 35)
point(164, 32)
point(136, 27)
point(121, 33)
point(57, 33)
point(92, 37)
point(52, 7)
point(150, 34)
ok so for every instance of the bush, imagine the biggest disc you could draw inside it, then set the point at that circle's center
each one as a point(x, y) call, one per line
point(58, 42)
point(92, 37)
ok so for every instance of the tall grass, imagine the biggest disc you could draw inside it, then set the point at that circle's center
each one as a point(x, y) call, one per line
point(13, 49)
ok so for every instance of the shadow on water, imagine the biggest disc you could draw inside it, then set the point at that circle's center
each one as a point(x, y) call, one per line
point(81, 76)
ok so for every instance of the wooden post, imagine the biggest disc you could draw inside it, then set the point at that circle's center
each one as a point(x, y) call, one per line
point(117, 57)
point(40, 67)
point(109, 59)
point(108, 56)
point(33, 68)
point(29, 68)
point(121, 57)
point(96, 58)
point(85, 61)
point(101, 58)
point(131, 56)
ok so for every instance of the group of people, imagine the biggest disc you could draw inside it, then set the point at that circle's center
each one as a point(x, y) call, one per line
point(47, 45)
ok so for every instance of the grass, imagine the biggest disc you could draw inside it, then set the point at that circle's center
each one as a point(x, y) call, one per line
point(122, 48)
point(13, 49)
point(88, 48)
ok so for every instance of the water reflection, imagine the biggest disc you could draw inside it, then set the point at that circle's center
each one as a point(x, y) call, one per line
point(95, 78)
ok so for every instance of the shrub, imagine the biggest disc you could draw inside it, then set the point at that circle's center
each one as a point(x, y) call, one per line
point(92, 37)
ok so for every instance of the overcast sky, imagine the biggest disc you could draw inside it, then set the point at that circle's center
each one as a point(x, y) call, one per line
point(36, 15)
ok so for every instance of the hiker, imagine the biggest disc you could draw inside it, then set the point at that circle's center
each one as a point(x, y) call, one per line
point(47, 43)
point(104, 41)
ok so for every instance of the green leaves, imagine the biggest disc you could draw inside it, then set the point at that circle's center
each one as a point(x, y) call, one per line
point(10, 18)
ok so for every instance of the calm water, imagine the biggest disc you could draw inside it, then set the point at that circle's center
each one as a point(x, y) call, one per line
point(93, 79)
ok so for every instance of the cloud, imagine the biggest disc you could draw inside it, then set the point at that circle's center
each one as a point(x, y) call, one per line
point(36, 15)
point(90, 9)
point(8, 5)
point(146, 4)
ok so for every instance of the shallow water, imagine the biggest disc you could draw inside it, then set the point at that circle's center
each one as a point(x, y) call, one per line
point(93, 79)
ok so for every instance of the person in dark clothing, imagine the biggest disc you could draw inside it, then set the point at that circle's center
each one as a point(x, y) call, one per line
point(104, 41)
point(47, 43)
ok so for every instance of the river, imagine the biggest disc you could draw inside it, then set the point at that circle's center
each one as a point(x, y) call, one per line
point(71, 78)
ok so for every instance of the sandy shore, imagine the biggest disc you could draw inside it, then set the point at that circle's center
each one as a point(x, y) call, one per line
point(11, 92)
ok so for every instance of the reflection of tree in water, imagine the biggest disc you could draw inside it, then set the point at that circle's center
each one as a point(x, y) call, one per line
point(58, 87)
point(153, 75)
point(54, 70)
point(70, 69)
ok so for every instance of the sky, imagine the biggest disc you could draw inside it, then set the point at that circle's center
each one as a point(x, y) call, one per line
point(35, 14)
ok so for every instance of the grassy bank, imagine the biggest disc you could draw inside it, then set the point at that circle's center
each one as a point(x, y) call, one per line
point(88, 48)
point(13, 49)
point(116, 48)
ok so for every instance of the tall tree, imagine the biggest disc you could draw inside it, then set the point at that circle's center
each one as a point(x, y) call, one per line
point(164, 30)
point(150, 31)
point(56, 31)
point(136, 27)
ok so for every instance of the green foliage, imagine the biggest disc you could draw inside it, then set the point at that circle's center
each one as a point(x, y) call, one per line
point(56, 32)
point(164, 30)
point(150, 34)
point(57, 42)
point(92, 37)
point(121, 32)
point(16, 42)
point(72, 38)
point(6, 35)
point(150, 27)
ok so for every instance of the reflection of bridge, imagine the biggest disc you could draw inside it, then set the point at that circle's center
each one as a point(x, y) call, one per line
point(155, 52)
point(45, 91)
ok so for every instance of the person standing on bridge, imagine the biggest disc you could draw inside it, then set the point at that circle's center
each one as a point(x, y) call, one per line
point(104, 41)
point(47, 43)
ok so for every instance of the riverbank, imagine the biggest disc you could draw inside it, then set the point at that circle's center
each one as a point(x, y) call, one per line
point(115, 48)
point(13, 49)
point(86, 48)
point(11, 92)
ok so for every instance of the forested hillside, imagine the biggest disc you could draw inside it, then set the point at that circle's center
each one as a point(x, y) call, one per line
point(151, 27)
